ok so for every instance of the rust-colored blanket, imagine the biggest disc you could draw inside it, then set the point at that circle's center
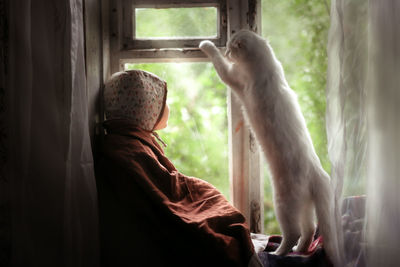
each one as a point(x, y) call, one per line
point(168, 219)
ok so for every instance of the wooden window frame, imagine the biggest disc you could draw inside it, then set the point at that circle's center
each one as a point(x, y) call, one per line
point(120, 47)
point(125, 48)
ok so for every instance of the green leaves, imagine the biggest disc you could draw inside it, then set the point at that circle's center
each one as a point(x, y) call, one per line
point(176, 22)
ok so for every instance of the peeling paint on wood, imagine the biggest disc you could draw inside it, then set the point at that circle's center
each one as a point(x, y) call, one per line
point(239, 125)
point(252, 15)
point(245, 170)
point(255, 217)
point(253, 143)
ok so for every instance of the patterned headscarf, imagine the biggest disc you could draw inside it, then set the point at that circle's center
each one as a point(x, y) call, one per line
point(136, 95)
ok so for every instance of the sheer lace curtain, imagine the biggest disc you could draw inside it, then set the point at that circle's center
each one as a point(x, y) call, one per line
point(53, 199)
point(363, 122)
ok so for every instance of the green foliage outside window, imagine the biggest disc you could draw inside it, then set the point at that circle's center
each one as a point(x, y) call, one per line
point(197, 134)
point(176, 22)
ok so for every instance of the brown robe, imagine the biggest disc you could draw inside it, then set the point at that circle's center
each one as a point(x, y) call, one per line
point(153, 215)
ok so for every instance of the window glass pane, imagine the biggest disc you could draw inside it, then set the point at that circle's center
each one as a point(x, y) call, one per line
point(197, 135)
point(176, 22)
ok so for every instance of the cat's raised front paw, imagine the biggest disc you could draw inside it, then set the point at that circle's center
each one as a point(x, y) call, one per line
point(207, 46)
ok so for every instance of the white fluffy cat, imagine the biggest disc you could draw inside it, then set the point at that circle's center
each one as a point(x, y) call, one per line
point(300, 184)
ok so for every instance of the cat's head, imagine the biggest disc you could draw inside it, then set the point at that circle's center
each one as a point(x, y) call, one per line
point(242, 46)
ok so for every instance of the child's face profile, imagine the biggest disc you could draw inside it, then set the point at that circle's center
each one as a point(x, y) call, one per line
point(163, 123)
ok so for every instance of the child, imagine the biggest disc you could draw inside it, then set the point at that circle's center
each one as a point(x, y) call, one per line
point(160, 216)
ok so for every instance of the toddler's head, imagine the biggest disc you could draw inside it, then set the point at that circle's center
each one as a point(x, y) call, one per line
point(139, 97)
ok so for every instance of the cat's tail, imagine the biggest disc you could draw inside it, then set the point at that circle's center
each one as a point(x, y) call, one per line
point(328, 219)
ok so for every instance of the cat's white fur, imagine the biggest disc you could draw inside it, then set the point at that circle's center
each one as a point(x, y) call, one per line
point(300, 184)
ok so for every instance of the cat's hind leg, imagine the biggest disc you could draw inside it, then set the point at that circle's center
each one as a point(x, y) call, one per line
point(288, 218)
point(307, 228)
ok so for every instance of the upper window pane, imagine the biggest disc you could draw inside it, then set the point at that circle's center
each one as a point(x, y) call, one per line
point(176, 22)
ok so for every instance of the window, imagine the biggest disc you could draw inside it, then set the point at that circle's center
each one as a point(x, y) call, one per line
point(297, 31)
point(197, 134)
point(178, 43)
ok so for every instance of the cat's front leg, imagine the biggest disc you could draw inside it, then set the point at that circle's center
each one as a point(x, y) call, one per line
point(224, 68)
point(209, 48)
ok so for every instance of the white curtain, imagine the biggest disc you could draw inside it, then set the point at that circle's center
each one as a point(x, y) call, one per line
point(52, 187)
point(383, 224)
point(363, 123)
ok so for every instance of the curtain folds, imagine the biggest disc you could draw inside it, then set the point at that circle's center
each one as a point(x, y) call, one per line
point(383, 205)
point(52, 185)
point(346, 95)
point(363, 127)
point(5, 220)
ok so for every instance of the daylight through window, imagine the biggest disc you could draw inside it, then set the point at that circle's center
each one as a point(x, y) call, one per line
point(197, 132)
point(176, 22)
